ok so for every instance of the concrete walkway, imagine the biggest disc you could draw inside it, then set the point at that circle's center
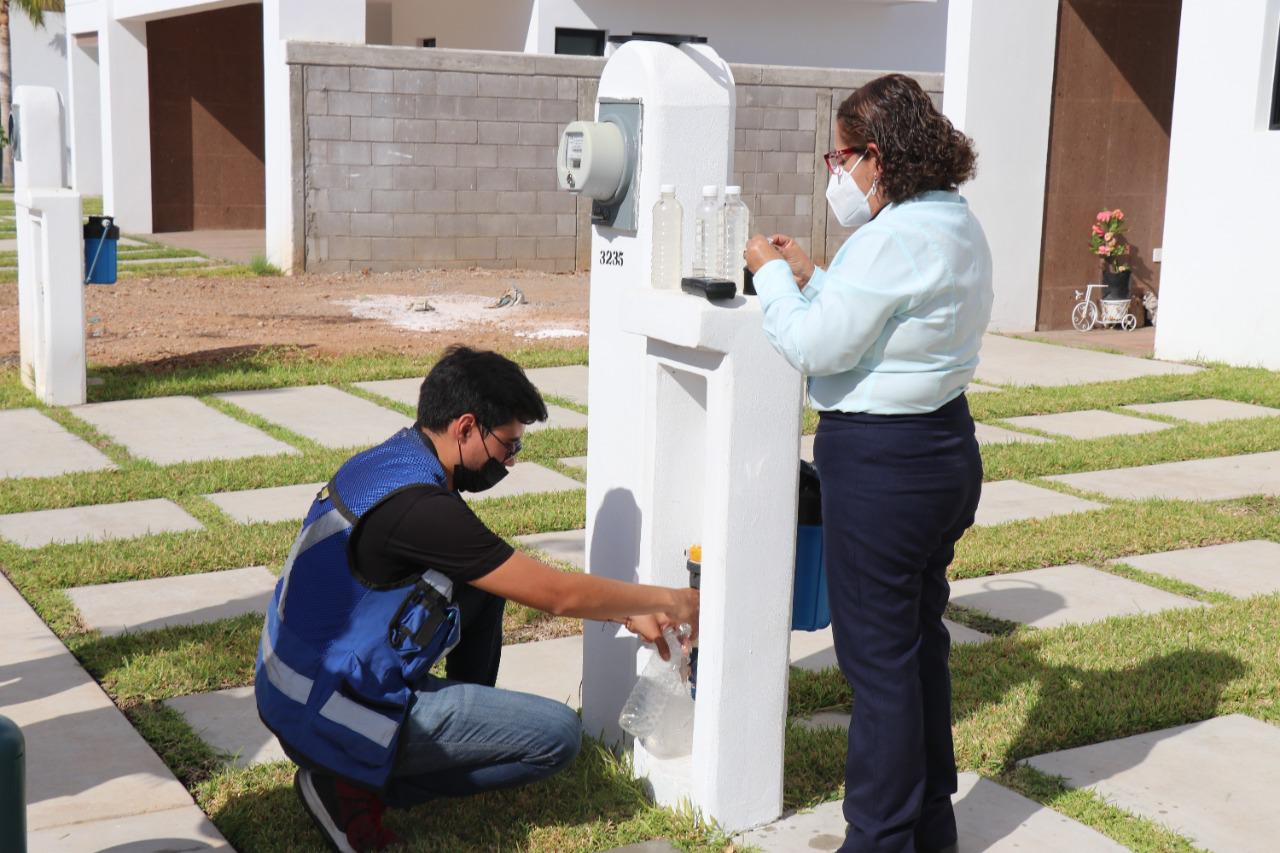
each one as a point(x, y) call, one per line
point(92, 781)
point(1012, 361)
point(237, 246)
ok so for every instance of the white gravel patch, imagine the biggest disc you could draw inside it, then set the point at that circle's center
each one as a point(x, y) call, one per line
point(455, 311)
point(546, 334)
point(452, 312)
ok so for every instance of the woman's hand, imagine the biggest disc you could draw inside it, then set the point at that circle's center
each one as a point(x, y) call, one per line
point(649, 627)
point(759, 252)
point(796, 258)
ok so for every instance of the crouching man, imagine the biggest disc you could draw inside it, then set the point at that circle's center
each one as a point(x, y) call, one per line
point(391, 573)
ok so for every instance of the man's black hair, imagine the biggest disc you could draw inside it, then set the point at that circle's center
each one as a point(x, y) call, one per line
point(488, 385)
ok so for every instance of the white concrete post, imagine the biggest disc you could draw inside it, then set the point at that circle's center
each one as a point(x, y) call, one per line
point(125, 99)
point(284, 21)
point(1001, 53)
point(50, 253)
point(694, 423)
point(84, 119)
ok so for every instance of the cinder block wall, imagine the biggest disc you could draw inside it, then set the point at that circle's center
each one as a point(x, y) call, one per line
point(416, 158)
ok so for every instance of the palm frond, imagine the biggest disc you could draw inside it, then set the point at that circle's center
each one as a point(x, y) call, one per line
point(35, 9)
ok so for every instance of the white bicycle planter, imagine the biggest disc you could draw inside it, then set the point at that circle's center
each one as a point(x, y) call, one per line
point(1115, 312)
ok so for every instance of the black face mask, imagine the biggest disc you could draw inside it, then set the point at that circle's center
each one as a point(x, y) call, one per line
point(489, 475)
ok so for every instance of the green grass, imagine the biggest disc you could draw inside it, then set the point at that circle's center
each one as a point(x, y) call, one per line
point(259, 367)
point(1023, 693)
point(261, 266)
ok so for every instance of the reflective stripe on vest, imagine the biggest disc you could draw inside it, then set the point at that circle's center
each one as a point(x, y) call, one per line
point(317, 531)
point(359, 719)
point(283, 677)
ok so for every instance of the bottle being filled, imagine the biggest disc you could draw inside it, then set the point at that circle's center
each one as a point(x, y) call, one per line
point(737, 229)
point(708, 236)
point(668, 239)
point(659, 711)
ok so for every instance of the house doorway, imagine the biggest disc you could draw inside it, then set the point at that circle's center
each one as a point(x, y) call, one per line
point(207, 125)
point(1108, 142)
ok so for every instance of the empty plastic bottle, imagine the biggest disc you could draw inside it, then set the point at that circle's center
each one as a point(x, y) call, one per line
point(737, 228)
point(708, 236)
point(659, 710)
point(668, 239)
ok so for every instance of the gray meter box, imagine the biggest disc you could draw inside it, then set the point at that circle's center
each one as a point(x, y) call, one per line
point(623, 213)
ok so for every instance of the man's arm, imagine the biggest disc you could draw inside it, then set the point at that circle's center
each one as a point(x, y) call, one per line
point(527, 581)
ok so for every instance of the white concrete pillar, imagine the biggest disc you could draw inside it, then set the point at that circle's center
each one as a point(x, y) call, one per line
point(84, 118)
point(998, 88)
point(50, 252)
point(126, 123)
point(284, 21)
point(695, 427)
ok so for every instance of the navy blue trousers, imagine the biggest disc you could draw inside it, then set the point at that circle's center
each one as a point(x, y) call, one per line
point(898, 491)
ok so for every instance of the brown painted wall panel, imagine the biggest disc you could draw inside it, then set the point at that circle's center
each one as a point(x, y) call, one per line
point(1108, 141)
point(207, 135)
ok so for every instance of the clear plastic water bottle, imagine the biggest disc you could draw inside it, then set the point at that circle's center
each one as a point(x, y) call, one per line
point(708, 235)
point(737, 229)
point(659, 710)
point(668, 239)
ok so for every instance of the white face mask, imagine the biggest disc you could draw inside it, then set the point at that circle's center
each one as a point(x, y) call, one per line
point(851, 207)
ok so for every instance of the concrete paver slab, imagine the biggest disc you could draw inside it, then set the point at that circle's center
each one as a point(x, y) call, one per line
point(401, 390)
point(228, 721)
point(568, 382)
point(1010, 361)
point(979, 388)
point(549, 668)
point(988, 434)
point(85, 762)
point(171, 831)
point(166, 430)
point(1013, 500)
point(406, 391)
point(1089, 423)
point(1241, 569)
point(36, 446)
point(566, 546)
point(806, 447)
point(527, 478)
point(95, 523)
point(1222, 478)
point(278, 503)
point(145, 605)
point(325, 415)
point(1062, 595)
point(1214, 781)
point(575, 462)
point(815, 650)
point(989, 817)
point(1206, 411)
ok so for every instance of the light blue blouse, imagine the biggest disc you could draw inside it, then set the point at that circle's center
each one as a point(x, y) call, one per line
point(894, 325)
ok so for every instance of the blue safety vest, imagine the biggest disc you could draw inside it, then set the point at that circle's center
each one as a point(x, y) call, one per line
point(339, 660)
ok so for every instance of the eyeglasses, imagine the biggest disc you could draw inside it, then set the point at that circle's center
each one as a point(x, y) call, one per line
point(836, 158)
point(512, 449)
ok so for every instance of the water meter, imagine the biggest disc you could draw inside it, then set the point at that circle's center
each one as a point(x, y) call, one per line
point(597, 159)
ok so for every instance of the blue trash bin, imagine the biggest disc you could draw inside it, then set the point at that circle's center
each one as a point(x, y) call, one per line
point(810, 609)
point(101, 236)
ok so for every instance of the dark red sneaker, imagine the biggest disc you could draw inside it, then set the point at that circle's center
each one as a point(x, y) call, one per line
point(349, 818)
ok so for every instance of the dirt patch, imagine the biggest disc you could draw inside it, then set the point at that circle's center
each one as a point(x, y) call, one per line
point(149, 319)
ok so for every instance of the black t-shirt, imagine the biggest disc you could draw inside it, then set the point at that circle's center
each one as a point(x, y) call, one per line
point(421, 528)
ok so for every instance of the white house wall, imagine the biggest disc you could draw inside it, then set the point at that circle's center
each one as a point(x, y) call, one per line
point(1219, 288)
point(908, 35)
point(998, 88)
point(469, 24)
point(39, 55)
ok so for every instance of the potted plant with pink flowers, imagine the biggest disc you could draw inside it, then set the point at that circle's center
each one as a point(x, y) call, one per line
point(1107, 242)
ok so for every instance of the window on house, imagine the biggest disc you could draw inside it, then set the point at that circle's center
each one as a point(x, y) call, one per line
point(579, 42)
point(676, 39)
point(1275, 92)
point(429, 42)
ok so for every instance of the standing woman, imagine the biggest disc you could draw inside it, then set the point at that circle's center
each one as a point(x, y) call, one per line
point(889, 336)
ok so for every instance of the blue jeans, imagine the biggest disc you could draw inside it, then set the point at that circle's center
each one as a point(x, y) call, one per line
point(464, 736)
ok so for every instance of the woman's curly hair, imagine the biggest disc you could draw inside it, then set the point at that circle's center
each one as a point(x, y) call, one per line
point(919, 148)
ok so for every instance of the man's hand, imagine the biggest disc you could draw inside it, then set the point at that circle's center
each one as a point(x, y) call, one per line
point(649, 628)
point(796, 257)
